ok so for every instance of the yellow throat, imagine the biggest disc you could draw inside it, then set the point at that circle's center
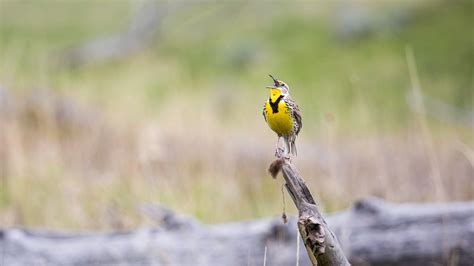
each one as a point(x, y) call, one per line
point(274, 94)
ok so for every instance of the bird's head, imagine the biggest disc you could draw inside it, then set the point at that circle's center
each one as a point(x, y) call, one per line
point(279, 88)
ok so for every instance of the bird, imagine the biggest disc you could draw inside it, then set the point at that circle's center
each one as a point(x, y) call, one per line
point(283, 116)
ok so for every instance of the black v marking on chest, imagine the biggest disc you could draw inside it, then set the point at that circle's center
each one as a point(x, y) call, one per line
point(274, 105)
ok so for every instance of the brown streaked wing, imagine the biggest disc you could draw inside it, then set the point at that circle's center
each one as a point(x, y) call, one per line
point(296, 113)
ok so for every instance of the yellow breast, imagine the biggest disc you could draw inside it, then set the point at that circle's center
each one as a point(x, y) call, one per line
point(281, 122)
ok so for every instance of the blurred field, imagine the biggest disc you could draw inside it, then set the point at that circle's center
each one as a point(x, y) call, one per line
point(179, 122)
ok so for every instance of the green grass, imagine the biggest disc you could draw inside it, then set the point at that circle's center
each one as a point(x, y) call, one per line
point(245, 46)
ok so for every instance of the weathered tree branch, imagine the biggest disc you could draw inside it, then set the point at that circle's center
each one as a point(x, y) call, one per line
point(320, 242)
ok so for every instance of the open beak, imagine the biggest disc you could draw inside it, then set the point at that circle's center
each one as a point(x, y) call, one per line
point(274, 79)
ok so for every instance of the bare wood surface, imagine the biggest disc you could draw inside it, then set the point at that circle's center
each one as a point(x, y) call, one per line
point(321, 243)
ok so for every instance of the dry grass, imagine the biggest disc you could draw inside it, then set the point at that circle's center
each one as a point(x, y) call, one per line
point(66, 165)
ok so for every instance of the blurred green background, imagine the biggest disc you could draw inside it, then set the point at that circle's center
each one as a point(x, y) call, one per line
point(175, 117)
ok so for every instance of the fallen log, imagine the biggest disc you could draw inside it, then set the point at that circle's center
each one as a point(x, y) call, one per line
point(372, 232)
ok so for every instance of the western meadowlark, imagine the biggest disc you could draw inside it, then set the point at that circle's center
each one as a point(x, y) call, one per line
point(283, 116)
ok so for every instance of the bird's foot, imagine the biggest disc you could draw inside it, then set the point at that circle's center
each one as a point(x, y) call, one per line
point(279, 152)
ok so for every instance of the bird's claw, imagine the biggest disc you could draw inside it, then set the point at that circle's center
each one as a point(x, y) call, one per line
point(279, 152)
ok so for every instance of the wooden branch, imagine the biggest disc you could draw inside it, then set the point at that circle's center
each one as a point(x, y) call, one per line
point(320, 242)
